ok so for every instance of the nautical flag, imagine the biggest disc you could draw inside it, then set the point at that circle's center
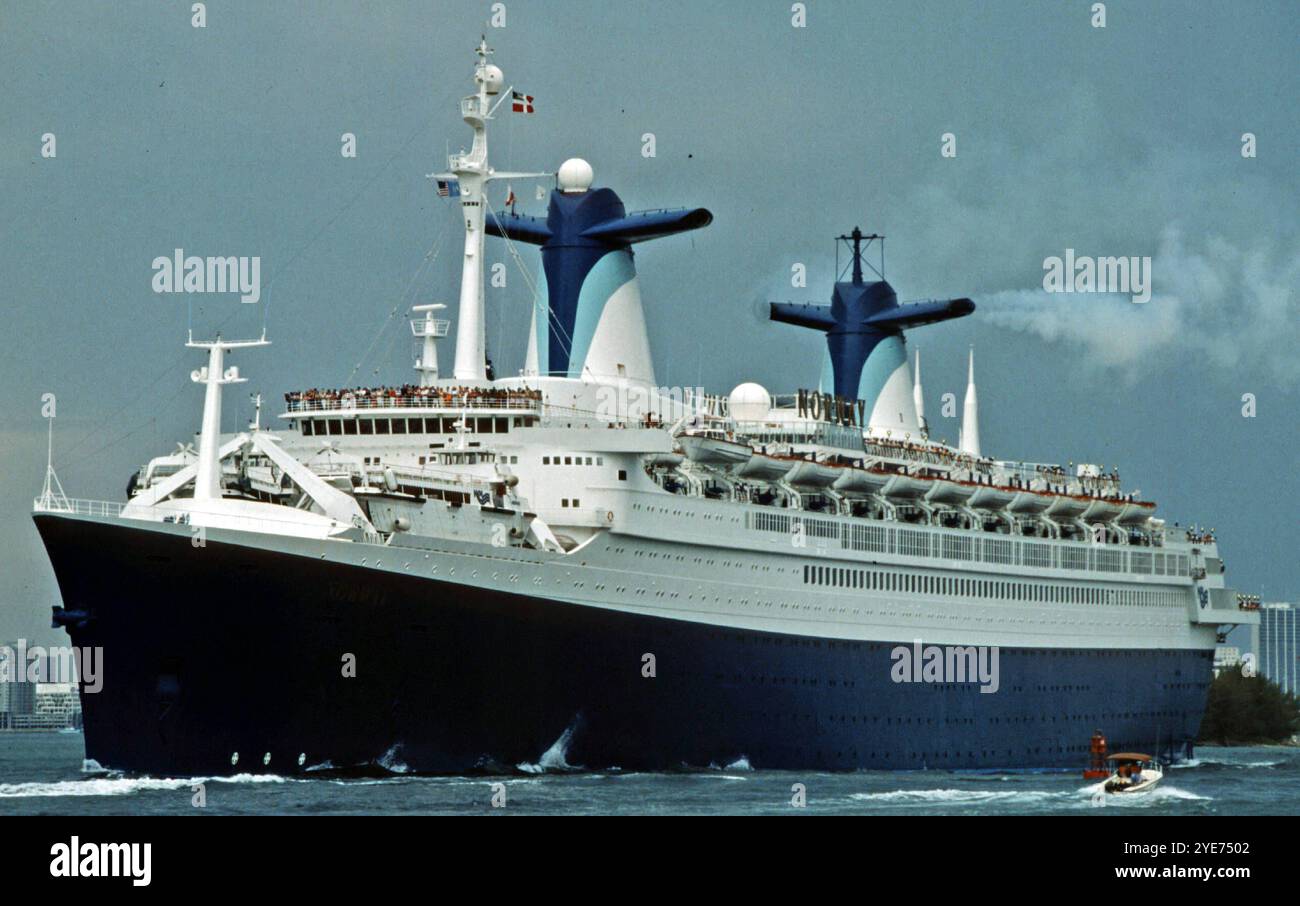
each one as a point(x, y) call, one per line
point(510, 198)
point(521, 103)
point(449, 188)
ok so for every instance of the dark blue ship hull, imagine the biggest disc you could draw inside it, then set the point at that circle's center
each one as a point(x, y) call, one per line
point(224, 649)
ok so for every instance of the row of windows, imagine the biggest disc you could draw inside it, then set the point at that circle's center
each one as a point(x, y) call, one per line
point(366, 425)
point(877, 580)
point(573, 460)
point(951, 546)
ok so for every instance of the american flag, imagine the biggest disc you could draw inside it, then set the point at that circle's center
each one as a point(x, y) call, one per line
point(449, 188)
point(521, 103)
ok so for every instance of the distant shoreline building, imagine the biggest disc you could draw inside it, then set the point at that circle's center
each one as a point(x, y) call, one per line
point(1276, 642)
point(1226, 657)
point(27, 705)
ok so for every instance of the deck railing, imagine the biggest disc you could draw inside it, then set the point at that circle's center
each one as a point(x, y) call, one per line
point(78, 506)
point(418, 401)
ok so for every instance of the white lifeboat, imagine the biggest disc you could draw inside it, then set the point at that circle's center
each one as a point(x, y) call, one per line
point(860, 481)
point(952, 493)
point(806, 473)
point(1136, 512)
point(714, 451)
point(991, 497)
point(1066, 507)
point(663, 460)
point(1102, 509)
point(905, 487)
point(763, 467)
point(1029, 503)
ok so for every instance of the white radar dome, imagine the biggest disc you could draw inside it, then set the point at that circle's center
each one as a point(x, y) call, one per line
point(492, 79)
point(750, 402)
point(575, 175)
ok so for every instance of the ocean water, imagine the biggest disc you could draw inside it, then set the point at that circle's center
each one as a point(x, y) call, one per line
point(41, 773)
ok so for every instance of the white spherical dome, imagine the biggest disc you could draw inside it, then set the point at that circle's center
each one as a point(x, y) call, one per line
point(492, 78)
point(750, 402)
point(575, 175)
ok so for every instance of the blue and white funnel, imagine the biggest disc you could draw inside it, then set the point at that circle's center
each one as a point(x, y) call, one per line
point(587, 315)
point(866, 355)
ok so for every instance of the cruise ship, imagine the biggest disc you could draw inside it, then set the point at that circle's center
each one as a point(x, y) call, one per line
point(575, 566)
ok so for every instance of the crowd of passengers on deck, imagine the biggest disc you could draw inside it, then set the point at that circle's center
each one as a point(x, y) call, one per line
point(413, 392)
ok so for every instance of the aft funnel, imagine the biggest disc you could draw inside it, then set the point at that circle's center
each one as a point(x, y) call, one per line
point(587, 316)
point(864, 326)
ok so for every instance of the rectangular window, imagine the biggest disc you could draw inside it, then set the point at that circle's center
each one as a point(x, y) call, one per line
point(564, 501)
point(307, 426)
point(335, 426)
point(432, 425)
point(414, 425)
point(367, 425)
point(350, 426)
point(399, 425)
point(622, 474)
point(546, 460)
point(502, 425)
point(381, 426)
point(568, 460)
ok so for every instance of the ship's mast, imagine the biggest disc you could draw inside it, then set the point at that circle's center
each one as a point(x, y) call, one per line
point(207, 480)
point(472, 173)
point(471, 170)
point(429, 329)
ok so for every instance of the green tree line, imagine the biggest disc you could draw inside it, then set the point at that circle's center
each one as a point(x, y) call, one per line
point(1248, 709)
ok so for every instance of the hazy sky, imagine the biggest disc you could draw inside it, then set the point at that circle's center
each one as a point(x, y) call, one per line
point(225, 140)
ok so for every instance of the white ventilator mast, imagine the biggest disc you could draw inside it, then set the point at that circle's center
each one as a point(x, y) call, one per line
point(430, 329)
point(472, 174)
point(918, 398)
point(207, 478)
point(970, 422)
